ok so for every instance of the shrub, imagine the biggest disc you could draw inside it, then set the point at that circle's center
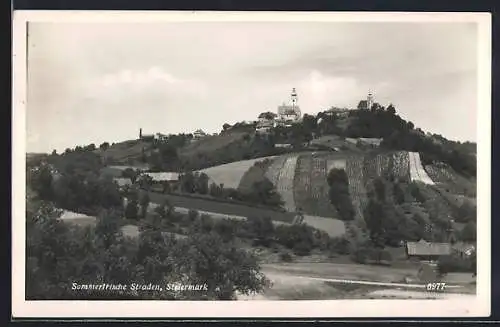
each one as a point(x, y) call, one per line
point(385, 256)
point(302, 249)
point(286, 257)
point(360, 255)
point(262, 241)
point(225, 228)
point(193, 214)
point(448, 264)
point(339, 245)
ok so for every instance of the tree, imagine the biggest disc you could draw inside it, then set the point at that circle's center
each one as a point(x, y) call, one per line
point(391, 110)
point(90, 147)
point(399, 194)
point(54, 152)
point(132, 210)
point(130, 173)
point(374, 214)
point(225, 228)
point(469, 233)
point(187, 182)
point(263, 191)
point(144, 203)
point(41, 182)
point(225, 269)
point(379, 186)
point(104, 146)
point(202, 183)
point(466, 212)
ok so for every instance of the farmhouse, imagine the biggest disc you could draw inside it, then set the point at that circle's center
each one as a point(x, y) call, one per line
point(77, 218)
point(122, 182)
point(463, 249)
point(199, 134)
point(163, 180)
point(340, 112)
point(283, 145)
point(423, 250)
point(372, 142)
point(265, 122)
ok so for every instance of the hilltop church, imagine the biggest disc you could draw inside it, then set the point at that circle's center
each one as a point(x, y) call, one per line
point(368, 103)
point(289, 113)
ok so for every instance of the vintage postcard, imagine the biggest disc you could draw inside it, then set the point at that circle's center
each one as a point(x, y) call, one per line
point(251, 164)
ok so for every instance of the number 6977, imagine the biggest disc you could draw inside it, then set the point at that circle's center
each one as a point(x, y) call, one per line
point(435, 286)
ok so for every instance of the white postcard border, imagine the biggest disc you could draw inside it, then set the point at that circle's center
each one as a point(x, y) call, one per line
point(273, 309)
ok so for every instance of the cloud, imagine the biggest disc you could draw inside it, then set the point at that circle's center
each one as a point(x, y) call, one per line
point(145, 81)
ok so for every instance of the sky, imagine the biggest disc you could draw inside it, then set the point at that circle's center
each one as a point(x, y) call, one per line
point(96, 82)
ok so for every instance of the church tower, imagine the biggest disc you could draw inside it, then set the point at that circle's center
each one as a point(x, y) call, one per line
point(294, 98)
point(140, 133)
point(369, 100)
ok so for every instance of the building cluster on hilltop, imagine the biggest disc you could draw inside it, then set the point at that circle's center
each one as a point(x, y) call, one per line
point(197, 135)
point(287, 115)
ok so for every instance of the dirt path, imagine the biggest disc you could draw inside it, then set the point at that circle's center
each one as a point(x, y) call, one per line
point(301, 282)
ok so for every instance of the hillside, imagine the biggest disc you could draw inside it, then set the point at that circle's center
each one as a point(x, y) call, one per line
point(433, 196)
point(381, 166)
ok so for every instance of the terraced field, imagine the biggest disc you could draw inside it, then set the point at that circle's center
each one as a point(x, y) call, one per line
point(355, 174)
point(302, 185)
point(274, 170)
point(400, 165)
point(311, 187)
point(417, 171)
point(320, 188)
point(284, 184)
point(449, 179)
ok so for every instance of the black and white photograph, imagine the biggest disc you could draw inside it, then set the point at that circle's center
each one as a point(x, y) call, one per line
point(251, 164)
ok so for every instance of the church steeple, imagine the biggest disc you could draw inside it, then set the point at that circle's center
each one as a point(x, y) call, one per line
point(294, 97)
point(369, 100)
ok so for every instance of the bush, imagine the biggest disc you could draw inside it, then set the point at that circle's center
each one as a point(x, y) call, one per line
point(225, 228)
point(360, 255)
point(339, 245)
point(286, 257)
point(447, 264)
point(262, 241)
point(385, 256)
point(302, 249)
point(290, 236)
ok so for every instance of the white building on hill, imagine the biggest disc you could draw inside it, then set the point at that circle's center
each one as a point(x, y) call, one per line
point(199, 134)
point(289, 113)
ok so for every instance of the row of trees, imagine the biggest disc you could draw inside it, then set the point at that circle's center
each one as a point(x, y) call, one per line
point(84, 192)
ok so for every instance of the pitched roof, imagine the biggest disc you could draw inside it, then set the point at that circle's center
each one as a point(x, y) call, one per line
point(464, 247)
point(267, 115)
point(423, 247)
point(163, 176)
point(122, 181)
